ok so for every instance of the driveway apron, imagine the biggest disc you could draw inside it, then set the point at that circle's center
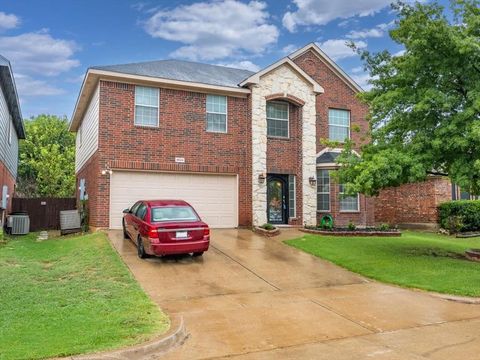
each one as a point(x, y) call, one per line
point(251, 297)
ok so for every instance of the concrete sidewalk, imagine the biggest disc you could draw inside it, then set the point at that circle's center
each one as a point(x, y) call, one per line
point(255, 298)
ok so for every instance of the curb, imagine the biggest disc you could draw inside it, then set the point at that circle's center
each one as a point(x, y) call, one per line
point(174, 337)
point(459, 299)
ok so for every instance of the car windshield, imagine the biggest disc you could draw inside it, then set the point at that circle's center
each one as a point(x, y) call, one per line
point(174, 213)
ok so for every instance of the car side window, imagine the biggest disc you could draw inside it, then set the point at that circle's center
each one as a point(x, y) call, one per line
point(134, 208)
point(141, 211)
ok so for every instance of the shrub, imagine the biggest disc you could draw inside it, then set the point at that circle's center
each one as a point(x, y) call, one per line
point(460, 215)
point(351, 226)
point(268, 227)
point(384, 227)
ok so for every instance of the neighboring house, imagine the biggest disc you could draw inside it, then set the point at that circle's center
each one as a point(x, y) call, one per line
point(416, 204)
point(243, 148)
point(11, 130)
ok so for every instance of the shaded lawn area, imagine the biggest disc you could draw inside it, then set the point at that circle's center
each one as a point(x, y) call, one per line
point(68, 296)
point(421, 260)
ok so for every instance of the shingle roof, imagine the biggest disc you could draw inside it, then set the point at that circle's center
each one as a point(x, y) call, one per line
point(183, 71)
point(7, 82)
point(327, 157)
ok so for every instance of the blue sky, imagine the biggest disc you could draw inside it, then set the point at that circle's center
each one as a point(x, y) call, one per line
point(51, 43)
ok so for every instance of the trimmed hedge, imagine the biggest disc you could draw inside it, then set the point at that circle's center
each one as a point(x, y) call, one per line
point(460, 215)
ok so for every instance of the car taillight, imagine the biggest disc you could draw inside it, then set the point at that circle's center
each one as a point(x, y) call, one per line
point(206, 231)
point(153, 233)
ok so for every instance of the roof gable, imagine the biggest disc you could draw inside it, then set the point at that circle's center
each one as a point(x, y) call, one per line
point(255, 78)
point(329, 62)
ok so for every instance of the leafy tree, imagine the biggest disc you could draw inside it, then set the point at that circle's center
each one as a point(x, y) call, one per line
point(424, 105)
point(47, 158)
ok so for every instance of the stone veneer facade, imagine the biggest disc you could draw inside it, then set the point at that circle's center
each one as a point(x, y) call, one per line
point(289, 82)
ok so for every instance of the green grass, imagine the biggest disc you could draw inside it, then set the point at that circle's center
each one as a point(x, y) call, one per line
point(69, 296)
point(421, 260)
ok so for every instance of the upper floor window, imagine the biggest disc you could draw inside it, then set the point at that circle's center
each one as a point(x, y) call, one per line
point(323, 190)
point(217, 113)
point(348, 203)
point(277, 119)
point(338, 125)
point(146, 106)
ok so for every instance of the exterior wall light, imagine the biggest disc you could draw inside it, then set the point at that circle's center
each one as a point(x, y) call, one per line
point(312, 180)
point(261, 178)
point(107, 171)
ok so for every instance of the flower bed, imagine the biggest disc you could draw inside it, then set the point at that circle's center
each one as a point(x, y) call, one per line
point(350, 232)
point(267, 231)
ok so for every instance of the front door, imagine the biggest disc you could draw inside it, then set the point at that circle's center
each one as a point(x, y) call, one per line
point(277, 199)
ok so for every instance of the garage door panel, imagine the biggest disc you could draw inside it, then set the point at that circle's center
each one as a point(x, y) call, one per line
point(213, 196)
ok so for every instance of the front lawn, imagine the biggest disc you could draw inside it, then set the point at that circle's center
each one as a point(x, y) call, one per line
point(420, 260)
point(69, 296)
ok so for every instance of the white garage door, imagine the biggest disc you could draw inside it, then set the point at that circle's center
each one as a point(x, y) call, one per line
point(213, 196)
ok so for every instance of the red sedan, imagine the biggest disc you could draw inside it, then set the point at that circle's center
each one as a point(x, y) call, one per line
point(165, 227)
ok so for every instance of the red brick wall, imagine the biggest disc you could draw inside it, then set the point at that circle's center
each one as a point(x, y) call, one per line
point(181, 133)
point(94, 186)
point(412, 203)
point(338, 95)
point(284, 156)
point(364, 217)
point(6, 178)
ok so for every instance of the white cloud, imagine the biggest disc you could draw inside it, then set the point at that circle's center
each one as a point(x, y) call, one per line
point(286, 50)
point(242, 64)
point(39, 53)
point(357, 70)
point(215, 29)
point(8, 21)
point(367, 33)
point(376, 32)
point(338, 49)
point(362, 80)
point(321, 12)
point(28, 86)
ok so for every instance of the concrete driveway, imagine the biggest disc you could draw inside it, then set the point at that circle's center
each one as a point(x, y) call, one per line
point(256, 298)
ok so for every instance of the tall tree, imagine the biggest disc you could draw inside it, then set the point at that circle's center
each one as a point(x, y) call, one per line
point(47, 158)
point(424, 103)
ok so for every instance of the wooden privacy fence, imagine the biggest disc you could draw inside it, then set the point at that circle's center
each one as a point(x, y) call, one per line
point(44, 212)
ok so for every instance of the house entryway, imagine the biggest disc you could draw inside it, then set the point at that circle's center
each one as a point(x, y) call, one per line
point(277, 199)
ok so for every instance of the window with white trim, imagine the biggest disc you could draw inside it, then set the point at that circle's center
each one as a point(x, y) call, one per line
point(277, 119)
point(347, 202)
point(146, 106)
point(217, 113)
point(323, 190)
point(291, 196)
point(338, 125)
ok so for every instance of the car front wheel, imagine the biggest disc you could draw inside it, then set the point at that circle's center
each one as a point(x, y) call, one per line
point(141, 249)
point(125, 234)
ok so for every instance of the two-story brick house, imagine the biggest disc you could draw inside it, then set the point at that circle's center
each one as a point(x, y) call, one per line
point(11, 130)
point(243, 148)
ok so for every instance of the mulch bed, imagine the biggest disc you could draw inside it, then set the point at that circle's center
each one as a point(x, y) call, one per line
point(357, 232)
